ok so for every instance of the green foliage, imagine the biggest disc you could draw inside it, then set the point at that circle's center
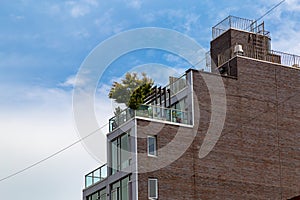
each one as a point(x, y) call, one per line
point(138, 96)
point(131, 90)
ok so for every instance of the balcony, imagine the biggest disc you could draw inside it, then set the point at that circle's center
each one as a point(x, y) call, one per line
point(158, 96)
point(96, 176)
point(150, 112)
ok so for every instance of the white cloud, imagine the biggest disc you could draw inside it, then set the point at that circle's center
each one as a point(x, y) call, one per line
point(79, 80)
point(286, 38)
point(17, 17)
point(287, 5)
point(191, 20)
point(92, 2)
point(71, 81)
point(182, 20)
point(284, 26)
point(83, 33)
point(79, 10)
point(54, 9)
point(136, 4)
point(158, 72)
point(107, 25)
point(35, 122)
point(177, 62)
point(172, 58)
point(293, 5)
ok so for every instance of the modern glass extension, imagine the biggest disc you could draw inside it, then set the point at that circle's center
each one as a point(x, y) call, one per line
point(96, 176)
point(120, 153)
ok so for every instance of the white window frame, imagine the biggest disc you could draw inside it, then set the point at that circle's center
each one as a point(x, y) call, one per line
point(155, 146)
point(156, 188)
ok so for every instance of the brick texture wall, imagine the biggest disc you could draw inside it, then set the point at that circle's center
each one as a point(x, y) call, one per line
point(258, 153)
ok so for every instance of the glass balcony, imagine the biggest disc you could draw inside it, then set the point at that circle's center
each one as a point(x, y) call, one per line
point(96, 176)
point(151, 112)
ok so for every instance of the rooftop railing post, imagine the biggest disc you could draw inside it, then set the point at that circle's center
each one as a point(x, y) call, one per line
point(294, 60)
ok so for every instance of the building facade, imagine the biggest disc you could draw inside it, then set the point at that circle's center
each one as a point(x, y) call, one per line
point(170, 147)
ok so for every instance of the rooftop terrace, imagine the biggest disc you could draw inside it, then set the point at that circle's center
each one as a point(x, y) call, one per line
point(232, 22)
point(156, 106)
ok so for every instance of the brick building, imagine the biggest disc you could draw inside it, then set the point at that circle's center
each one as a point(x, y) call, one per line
point(170, 148)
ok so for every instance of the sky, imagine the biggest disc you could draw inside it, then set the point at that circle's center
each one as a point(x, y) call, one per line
point(44, 43)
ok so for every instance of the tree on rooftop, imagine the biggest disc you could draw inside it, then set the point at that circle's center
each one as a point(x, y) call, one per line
point(131, 90)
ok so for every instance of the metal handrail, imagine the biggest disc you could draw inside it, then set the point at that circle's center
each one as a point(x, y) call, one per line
point(179, 80)
point(251, 51)
point(232, 22)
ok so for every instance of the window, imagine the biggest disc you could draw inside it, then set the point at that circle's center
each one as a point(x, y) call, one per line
point(152, 188)
point(120, 153)
point(115, 193)
point(151, 143)
point(101, 194)
point(120, 190)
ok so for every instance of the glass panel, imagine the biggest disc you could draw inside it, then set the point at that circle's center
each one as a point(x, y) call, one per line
point(152, 146)
point(125, 151)
point(103, 191)
point(114, 195)
point(95, 196)
point(88, 181)
point(96, 175)
point(103, 172)
point(103, 194)
point(114, 156)
point(152, 188)
point(115, 191)
point(124, 189)
point(116, 185)
point(103, 197)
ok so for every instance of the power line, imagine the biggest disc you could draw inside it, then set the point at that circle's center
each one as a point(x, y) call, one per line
point(52, 155)
point(270, 10)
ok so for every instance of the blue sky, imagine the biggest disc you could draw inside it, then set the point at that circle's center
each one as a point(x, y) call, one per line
point(42, 46)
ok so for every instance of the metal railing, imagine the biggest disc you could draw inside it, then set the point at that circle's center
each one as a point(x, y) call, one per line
point(240, 24)
point(177, 84)
point(260, 54)
point(164, 114)
point(161, 94)
point(96, 176)
point(151, 112)
point(121, 118)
